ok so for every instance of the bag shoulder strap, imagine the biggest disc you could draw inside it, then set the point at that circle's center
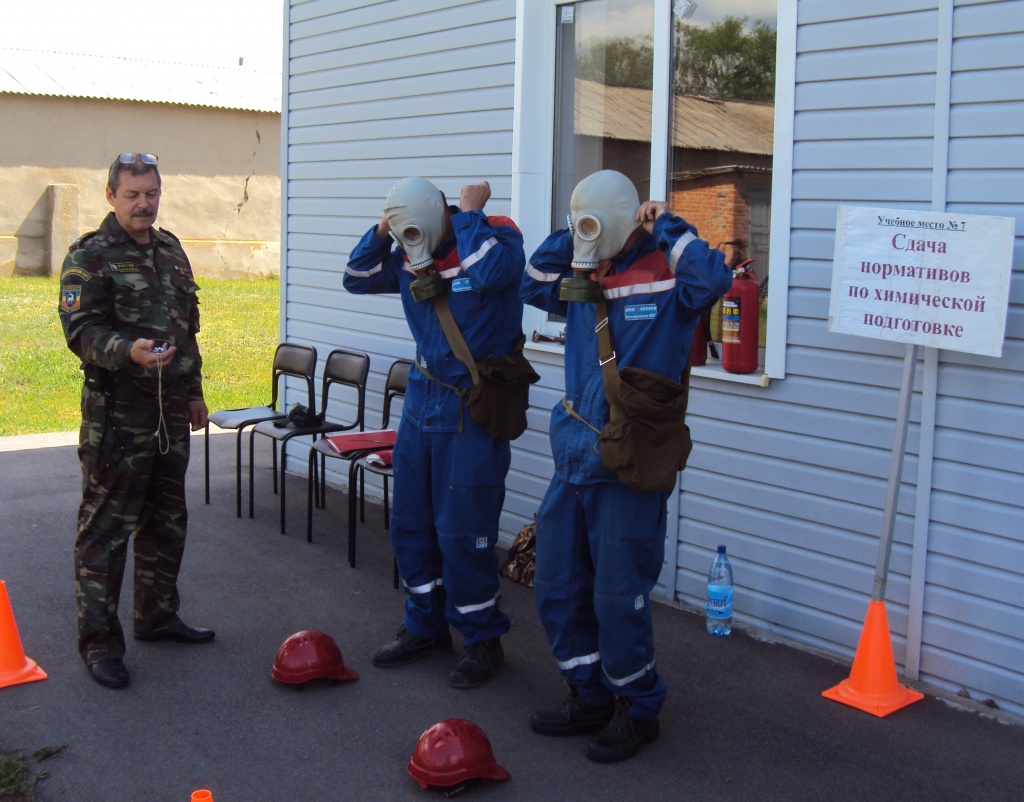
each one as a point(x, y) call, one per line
point(455, 339)
point(606, 350)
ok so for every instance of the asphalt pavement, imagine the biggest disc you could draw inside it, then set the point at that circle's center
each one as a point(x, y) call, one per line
point(744, 720)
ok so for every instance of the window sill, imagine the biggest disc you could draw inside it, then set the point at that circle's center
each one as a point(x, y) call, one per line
point(714, 370)
point(546, 347)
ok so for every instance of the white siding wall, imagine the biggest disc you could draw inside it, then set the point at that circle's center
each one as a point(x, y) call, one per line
point(792, 477)
point(378, 91)
point(803, 465)
point(973, 625)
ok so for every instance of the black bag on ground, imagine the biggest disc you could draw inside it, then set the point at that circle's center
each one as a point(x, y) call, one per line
point(646, 440)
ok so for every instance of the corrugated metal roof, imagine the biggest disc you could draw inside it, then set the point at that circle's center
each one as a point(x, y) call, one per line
point(36, 72)
point(699, 123)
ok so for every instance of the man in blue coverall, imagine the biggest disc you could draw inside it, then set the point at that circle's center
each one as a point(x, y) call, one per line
point(600, 544)
point(449, 472)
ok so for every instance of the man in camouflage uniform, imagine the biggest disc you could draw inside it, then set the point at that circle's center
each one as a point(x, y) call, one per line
point(130, 312)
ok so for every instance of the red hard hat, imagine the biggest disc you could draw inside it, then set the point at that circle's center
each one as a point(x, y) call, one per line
point(310, 655)
point(453, 751)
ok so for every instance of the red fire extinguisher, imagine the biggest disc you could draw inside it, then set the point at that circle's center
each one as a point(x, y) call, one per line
point(702, 342)
point(741, 312)
point(699, 345)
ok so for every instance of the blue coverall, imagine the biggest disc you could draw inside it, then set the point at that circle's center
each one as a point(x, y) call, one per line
point(449, 482)
point(600, 545)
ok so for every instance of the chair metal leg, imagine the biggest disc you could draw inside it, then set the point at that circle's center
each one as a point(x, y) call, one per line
point(252, 437)
point(362, 496)
point(313, 477)
point(311, 491)
point(238, 474)
point(323, 482)
point(284, 462)
point(273, 445)
point(353, 468)
point(387, 526)
point(207, 455)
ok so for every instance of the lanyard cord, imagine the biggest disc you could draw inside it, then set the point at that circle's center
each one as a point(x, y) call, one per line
point(163, 440)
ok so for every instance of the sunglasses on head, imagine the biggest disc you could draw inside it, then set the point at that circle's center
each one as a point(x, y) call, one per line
point(131, 158)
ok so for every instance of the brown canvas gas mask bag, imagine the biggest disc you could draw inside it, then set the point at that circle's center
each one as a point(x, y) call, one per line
point(500, 394)
point(646, 440)
point(500, 397)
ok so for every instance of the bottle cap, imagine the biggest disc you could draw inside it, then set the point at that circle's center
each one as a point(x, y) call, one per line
point(721, 549)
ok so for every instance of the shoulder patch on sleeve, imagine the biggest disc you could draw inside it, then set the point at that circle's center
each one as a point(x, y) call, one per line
point(70, 297)
point(77, 272)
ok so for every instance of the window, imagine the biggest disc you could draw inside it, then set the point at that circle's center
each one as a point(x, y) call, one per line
point(678, 96)
point(601, 122)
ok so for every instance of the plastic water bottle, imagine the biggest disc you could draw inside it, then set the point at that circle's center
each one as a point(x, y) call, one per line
point(719, 609)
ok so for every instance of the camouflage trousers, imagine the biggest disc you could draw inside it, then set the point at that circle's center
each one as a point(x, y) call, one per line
point(129, 488)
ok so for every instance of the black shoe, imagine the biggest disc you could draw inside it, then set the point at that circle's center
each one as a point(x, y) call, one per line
point(110, 673)
point(180, 632)
point(407, 648)
point(572, 718)
point(478, 664)
point(623, 736)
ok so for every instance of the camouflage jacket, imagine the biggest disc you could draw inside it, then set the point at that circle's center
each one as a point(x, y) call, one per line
point(114, 291)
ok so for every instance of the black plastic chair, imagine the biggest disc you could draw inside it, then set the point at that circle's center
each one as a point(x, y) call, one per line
point(343, 368)
point(290, 359)
point(394, 387)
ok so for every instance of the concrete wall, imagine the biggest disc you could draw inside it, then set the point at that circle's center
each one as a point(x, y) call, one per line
point(220, 168)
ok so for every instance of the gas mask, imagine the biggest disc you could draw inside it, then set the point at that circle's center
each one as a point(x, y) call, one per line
point(603, 214)
point(415, 212)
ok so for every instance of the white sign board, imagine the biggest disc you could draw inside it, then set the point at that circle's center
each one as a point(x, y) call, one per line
point(935, 279)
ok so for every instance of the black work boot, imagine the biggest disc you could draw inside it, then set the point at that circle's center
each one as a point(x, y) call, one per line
point(110, 673)
point(574, 717)
point(478, 664)
point(407, 648)
point(623, 736)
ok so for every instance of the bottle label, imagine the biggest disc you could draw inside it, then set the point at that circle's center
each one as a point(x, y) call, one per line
point(731, 320)
point(719, 601)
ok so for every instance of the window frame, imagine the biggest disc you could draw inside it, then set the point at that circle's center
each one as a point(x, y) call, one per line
point(533, 157)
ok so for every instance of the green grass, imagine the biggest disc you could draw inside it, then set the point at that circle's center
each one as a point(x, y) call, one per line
point(39, 377)
point(16, 780)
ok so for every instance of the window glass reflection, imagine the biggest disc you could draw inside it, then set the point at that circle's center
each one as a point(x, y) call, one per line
point(723, 115)
point(603, 76)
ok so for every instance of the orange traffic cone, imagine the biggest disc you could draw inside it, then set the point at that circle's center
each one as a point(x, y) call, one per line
point(872, 685)
point(202, 796)
point(15, 668)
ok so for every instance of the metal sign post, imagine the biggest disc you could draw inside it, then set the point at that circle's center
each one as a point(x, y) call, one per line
point(892, 490)
point(922, 278)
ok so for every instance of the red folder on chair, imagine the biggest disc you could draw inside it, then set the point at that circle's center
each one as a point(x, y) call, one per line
point(354, 442)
